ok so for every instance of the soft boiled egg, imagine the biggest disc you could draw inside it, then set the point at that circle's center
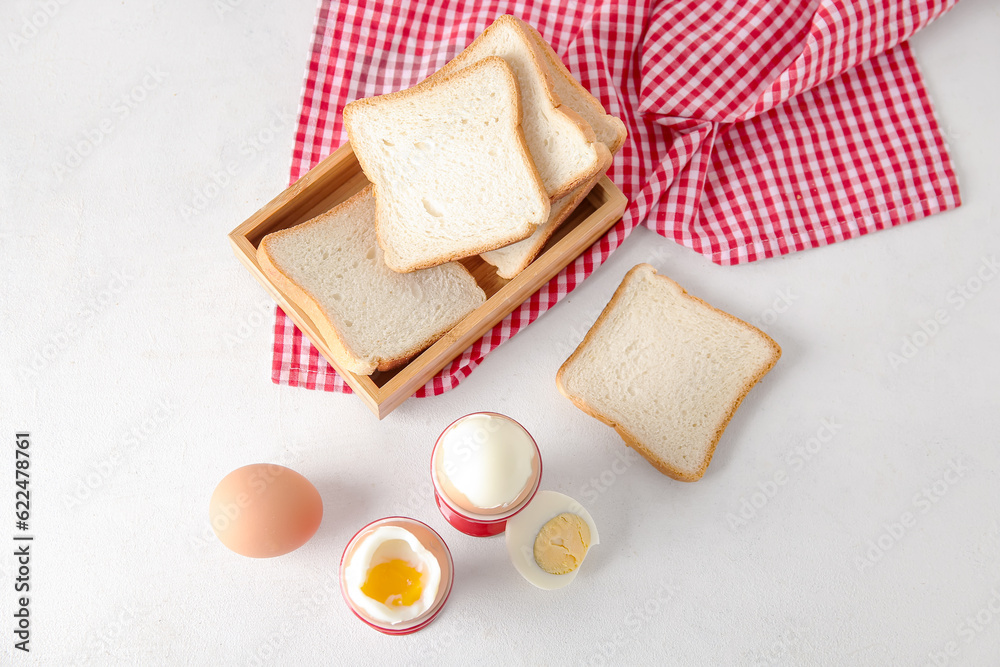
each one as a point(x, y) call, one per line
point(486, 463)
point(391, 576)
point(548, 540)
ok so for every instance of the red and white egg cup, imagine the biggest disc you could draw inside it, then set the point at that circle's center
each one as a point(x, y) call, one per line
point(431, 541)
point(479, 525)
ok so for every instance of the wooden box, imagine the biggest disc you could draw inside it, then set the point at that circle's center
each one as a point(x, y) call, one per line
point(337, 178)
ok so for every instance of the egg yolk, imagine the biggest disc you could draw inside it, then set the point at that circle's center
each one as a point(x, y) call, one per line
point(394, 583)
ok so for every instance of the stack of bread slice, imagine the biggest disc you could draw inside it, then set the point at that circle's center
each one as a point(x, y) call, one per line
point(488, 156)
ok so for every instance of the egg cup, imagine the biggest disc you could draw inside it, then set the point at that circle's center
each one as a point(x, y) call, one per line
point(431, 541)
point(480, 525)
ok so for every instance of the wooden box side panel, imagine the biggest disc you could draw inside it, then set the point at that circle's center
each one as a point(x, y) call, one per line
point(579, 232)
point(329, 183)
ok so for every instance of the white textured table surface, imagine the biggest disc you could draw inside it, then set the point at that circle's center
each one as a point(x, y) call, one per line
point(137, 351)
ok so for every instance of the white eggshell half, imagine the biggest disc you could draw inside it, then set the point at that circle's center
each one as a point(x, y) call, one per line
point(386, 543)
point(523, 528)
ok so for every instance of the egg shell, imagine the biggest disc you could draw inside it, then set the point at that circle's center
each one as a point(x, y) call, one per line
point(488, 459)
point(383, 544)
point(431, 541)
point(265, 510)
point(523, 528)
point(472, 523)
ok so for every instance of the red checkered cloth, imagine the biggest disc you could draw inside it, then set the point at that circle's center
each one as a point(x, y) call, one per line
point(756, 127)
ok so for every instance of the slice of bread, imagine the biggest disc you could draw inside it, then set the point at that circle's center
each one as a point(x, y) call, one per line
point(562, 143)
point(370, 316)
point(512, 259)
point(452, 174)
point(609, 129)
point(666, 370)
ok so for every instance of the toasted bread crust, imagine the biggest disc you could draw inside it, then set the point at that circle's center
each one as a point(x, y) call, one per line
point(559, 66)
point(392, 260)
point(536, 56)
point(630, 439)
point(304, 299)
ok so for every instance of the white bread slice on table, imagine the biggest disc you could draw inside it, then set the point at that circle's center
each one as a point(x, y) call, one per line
point(561, 142)
point(666, 370)
point(370, 316)
point(452, 175)
point(512, 259)
point(609, 129)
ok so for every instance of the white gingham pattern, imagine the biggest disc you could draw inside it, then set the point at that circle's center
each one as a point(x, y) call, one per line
point(756, 127)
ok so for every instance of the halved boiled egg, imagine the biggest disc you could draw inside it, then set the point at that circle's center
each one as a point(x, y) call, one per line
point(391, 576)
point(548, 540)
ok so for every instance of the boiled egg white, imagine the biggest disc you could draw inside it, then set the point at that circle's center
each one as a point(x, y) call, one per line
point(391, 576)
point(524, 527)
point(486, 463)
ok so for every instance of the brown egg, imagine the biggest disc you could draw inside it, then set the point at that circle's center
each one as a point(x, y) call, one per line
point(265, 510)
